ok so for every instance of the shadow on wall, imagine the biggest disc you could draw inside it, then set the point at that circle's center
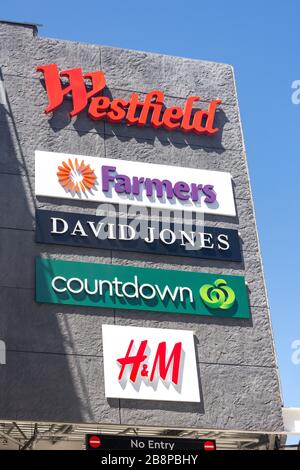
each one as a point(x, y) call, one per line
point(35, 384)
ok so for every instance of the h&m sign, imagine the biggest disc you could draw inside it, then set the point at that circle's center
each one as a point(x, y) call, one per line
point(149, 364)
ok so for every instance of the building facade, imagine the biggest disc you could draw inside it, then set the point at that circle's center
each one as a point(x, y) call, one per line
point(54, 369)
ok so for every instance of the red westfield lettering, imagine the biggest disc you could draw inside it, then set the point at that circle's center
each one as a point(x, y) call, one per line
point(76, 86)
point(160, 362)
point(134, 111)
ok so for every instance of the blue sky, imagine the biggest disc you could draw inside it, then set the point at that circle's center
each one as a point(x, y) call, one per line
point(260, 40)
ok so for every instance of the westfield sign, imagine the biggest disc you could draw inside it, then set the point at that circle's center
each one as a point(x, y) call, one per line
point(137, 112)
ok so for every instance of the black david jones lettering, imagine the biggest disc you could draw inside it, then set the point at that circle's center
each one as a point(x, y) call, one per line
point(85, 230)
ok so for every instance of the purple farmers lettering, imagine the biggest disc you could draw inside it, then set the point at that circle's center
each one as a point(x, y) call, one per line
point(195, 189)
point(123, 184)
point(179, 189)
point(106, 177)
point(136, 182)
point(210, 194)
point(159, 186)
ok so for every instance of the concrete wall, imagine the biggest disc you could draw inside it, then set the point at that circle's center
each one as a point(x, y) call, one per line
point(54, 353)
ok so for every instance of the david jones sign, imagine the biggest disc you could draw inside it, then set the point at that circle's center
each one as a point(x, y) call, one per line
point(135, 111)
point(91, 231)
point(125, 182)
point(149, 364)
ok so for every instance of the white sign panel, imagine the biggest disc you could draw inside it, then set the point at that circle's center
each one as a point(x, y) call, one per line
point(291, 420)
point(113, 181)
point(150, 364)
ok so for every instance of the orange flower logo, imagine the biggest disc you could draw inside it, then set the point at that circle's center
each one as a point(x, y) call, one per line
point(76, 177)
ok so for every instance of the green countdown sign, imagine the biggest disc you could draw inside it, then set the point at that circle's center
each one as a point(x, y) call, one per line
point(131, 288)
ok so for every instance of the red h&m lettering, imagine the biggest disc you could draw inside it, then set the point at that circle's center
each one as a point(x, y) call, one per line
point(160, 362)
point(134, 361)
point(76, 86)
point(160, 359)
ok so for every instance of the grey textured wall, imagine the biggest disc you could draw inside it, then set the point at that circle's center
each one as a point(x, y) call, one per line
point(54, 353)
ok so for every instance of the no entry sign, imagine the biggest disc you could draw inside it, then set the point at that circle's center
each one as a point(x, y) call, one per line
point(113, 442)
